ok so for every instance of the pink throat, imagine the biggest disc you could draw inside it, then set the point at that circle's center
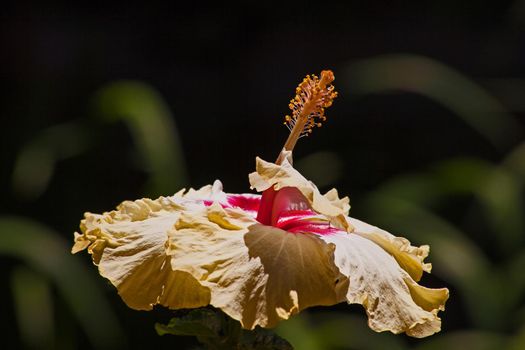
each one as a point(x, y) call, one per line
point(286, 209)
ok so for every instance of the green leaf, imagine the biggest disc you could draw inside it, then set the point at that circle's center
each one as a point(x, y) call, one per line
point(216, 330)
point(262, 339)
point(197, 323)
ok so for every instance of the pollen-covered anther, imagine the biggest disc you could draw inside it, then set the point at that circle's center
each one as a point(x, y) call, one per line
point(313, 95)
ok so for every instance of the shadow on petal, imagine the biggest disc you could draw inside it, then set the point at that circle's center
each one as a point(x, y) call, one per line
point(299, 270)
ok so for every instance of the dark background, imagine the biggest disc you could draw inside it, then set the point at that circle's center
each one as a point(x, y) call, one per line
point(226, 74)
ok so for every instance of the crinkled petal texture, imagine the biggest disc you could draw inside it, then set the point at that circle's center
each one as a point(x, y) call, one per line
point(129, 247)
point(391, 297)
point(183, 252)
point(206, 247)
point(382, 269)
point(256, 274)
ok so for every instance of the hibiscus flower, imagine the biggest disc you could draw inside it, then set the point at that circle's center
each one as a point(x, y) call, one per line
point(262, 258)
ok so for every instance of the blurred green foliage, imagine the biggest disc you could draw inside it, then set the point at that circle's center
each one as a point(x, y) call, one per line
point(484, 200)
point(46, 261)
point(153, 130)
point(439, 83)
point(45, 258)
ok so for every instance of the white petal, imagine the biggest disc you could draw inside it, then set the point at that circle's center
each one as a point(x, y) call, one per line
point(410, 258)
point(393, 301)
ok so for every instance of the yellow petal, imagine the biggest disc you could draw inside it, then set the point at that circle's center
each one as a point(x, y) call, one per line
point(284, 175)
point(428, 298)
point(342, 203)
point(210, 192)
point(256, 274)
point(393, 301)
point(129, 247)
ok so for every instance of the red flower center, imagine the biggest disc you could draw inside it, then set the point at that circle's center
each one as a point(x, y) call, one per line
point(286, 209)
